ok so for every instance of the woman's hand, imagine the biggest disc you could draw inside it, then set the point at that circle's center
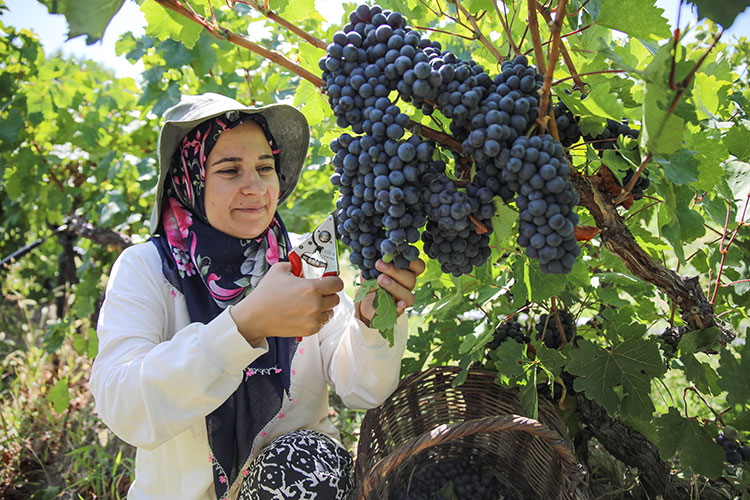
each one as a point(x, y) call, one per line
point(284, 305)
point(399, 283)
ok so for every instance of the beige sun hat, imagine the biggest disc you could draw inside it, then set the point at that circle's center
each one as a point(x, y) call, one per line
point(287, 125)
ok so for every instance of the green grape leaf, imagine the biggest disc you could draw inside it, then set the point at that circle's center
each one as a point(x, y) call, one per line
point(58, 395)
point(13, 125)
point(541, 286)
point(299, 10)
point(92, 346)
point(164, 24)
point(696, 340)
point(308, 100)
point(364, 288)
point(88, 18)
point(662, 131)
point(640, 19)
point(698, 450)
point(701, 374)
point(737, 174)
point(680, 223)
point(385, 317)
point(708, 94)
point(502, 222)
point(733, 375)
point(723, 12)
point(174, 53)
point(204, 54)
point(708, 147)
point(630, 364)
point(507, 359)
point(528, 395)
point(737, 141)
point(681, 168)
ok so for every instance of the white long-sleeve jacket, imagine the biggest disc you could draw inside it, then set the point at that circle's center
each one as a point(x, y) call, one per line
point(157, 376)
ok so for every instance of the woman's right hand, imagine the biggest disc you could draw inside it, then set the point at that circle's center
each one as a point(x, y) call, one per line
point(284, 305)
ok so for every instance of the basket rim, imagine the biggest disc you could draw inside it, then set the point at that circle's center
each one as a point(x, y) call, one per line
point(447, 432)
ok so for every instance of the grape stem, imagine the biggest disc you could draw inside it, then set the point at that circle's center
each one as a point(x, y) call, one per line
point(536, 40)
point(558, 322)
point(556, 82)
point(437, 136)
point(683, 85)
point(504, 22)
point(317, 42)
point(426, 28)
point(692, 388)
point(477, 31)
point(724, 250)
point(629, 186)
point(566, 56)
point(555, 28)
point(481, 228)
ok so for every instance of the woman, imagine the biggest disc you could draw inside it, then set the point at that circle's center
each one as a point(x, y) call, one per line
point(199, 366)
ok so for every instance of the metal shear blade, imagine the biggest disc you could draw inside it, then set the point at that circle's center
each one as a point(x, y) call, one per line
point(318, 249)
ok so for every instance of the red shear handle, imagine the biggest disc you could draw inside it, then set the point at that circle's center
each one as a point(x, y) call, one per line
point(296, 270)
point(296, 264)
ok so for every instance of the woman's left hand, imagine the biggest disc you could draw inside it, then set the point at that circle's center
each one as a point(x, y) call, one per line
point(398, 282)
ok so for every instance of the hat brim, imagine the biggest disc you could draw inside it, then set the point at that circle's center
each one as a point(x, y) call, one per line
point(287, 125)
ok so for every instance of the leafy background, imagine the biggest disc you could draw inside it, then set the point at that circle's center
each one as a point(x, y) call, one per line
point(662, 361)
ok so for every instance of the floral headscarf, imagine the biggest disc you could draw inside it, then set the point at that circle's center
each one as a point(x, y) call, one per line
point(214, 270)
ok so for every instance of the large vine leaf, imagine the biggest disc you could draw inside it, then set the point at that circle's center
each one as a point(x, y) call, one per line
point(639, 19)
point(630, 365)
point(88, 18)
point(164, 23)
point(733, 376)
point(662, 130)
point(695, 441)
point(723, 12)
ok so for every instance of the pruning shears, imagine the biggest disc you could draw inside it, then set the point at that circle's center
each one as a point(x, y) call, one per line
point(318, 250)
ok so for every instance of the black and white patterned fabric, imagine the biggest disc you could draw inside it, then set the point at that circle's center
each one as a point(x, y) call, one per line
point(301, 465)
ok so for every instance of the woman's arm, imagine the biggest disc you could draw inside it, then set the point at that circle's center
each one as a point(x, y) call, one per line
point(150, 385)
point(360, 364)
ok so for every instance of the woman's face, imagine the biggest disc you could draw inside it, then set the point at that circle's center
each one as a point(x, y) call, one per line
point(242, 188)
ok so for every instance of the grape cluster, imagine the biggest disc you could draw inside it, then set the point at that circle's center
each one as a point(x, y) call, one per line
point(536, 168)
point(450, 236)
point(734, 452)
point(380, 208)
point(390, 187)
point(509, 330)
point(458, 477)
point(548, 329)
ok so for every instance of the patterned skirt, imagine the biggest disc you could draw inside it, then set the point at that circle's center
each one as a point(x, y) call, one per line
point(301, 465)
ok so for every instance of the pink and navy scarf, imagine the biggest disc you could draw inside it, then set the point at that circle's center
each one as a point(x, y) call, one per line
point(214, 270)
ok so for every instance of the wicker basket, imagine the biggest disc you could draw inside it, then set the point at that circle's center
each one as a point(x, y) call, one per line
point(426, 420)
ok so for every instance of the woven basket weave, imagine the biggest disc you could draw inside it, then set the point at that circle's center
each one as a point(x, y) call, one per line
point(426, 420)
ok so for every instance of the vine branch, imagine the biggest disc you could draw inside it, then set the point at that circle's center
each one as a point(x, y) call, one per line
point(506, 29)
point(696, 310)
point(555, 28)
point(536, 40)
point(225, 34)
point(317, 42)
point(478, 32)
point(566, 56)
